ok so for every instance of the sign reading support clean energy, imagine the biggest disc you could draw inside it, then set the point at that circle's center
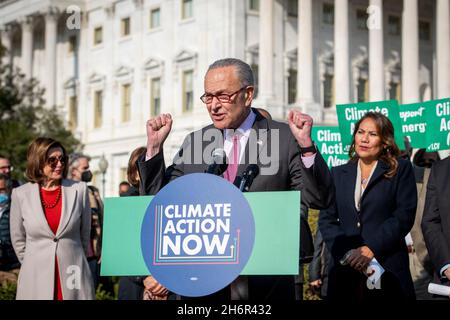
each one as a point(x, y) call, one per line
point(414, 124)
point(197, 234)
point(438, 124)
point(328, 140)
point(349, 114)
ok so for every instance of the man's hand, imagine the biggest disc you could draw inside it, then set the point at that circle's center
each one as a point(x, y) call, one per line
point(360, 258)
point(158, 129)
point(447, 273)
point(154, 287)
point(150, 296)
point(301, 124)
point(316, 284)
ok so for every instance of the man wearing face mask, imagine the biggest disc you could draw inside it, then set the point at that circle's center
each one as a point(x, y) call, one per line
point(79, 171)
point(9, 265)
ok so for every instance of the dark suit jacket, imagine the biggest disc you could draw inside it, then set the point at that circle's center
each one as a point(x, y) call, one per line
point(436, 216)
point(314, 183)
point(8, 258)
point(388, 208)
point(318, 268)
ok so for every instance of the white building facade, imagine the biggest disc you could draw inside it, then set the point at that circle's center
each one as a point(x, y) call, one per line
point(109, 65)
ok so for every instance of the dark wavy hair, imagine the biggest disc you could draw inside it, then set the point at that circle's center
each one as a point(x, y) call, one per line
point(390, 151)
point(37, 157)
point(132, 170)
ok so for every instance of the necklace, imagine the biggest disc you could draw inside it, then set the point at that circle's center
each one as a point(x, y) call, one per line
point(364, 181)
point(54, 203)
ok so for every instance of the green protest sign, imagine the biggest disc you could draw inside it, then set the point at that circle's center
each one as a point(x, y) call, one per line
point(328, 141)
point(414, 124)
point(275, 250)
point(349, 114)
point(438, 124)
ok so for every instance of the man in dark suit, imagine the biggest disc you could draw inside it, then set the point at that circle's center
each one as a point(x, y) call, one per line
point(285, 154)
point(436, 219)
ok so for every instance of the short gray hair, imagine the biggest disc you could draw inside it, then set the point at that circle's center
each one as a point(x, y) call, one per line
point(74, 161)
point(244, 71)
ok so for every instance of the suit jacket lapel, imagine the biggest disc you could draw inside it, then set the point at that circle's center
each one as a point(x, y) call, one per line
point(69, 195)
point(351, 172)
point(36, 204)
point(260, 128)
point(211, 145)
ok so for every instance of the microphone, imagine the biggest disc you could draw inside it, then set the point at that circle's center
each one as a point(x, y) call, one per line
point(247, 177)
point(219, 164)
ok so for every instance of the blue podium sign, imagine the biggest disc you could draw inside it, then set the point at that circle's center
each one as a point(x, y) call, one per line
point(197, 234)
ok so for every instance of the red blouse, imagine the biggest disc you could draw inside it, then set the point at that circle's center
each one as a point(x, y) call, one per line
point(53, 216)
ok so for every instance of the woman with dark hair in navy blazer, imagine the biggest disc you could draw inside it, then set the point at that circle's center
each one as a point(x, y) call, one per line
point(373, 211)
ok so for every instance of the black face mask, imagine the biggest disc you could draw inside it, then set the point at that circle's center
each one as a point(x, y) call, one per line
point(86, 176)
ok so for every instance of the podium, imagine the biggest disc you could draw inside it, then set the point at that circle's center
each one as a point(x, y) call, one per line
point(275, 250)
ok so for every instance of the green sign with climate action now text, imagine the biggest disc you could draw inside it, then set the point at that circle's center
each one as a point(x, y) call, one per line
point(275, 250)
point(328, 141)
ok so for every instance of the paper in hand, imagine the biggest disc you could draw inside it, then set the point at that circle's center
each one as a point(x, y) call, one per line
point(439, 289)
point(376, 271)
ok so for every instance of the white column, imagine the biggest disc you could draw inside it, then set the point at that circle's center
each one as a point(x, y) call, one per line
point(266, 45)
point(111, 93)
point(376, 51)
point(410, 52)
point(305, 53)
point(443, 48)
point(51, 19)
point(139, 87)
point(84, 101)
point(27, 46)
point(6, 43)
point(341, 52)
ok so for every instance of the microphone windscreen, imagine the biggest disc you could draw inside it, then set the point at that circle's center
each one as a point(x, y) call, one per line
point(253, 170)
point(219, 156)
point(220, 163)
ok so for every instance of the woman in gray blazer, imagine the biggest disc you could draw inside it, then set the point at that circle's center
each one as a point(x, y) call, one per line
point(50, 226)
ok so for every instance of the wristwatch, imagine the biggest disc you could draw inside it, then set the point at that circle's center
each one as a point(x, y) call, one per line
point(311, 148)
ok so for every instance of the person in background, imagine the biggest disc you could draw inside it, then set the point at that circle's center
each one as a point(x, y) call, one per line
point(436, 220)
point(318, 268)
point(6, 169)
point(141, 287)
point(306, 253)
point(79, 171)
point(9, 265)
point(419, 260)
point(419, 267)
point(123, 188)
point(373, 211)
point(50, 226)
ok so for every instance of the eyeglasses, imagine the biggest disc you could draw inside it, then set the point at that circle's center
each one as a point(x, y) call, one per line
point(222, 97)
point(10, 168)
point(53, 161)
